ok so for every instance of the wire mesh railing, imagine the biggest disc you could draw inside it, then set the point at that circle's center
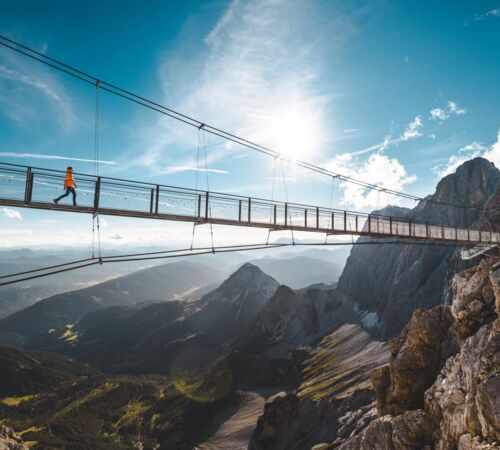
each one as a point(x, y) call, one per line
point(37, 187)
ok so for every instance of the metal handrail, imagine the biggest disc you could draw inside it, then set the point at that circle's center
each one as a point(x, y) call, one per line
point(308, 215)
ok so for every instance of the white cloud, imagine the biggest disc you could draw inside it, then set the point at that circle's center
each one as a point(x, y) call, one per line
point(10, 213)
point(177, 169)
point(350, 130)
point(474, 147)
point(413, 129)
point(380, 170)
point(491, 13)
point(117, 237)
point(493, 153)
point(50, 157)
point(454, 109)
point(470, 151)
point(438, 114)
point(442, 114)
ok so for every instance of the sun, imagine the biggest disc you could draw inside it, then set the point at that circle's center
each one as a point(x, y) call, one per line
point(294, 130)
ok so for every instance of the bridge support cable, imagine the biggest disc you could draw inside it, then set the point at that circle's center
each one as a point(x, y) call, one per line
point(135, 98)
point(331, 217)
point(61, 268)
point(66, 267)
point(288, 214)
point(272, 218)
point(198, 204)
point(208, 186)
point(95, 215)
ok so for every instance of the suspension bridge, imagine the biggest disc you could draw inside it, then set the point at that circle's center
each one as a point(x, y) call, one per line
point(35, 188)
point(30, 187)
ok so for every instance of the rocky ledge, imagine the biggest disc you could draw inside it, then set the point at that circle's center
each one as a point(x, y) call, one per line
point(441, 388)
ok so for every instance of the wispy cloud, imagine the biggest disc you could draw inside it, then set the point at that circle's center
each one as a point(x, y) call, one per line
point(117, 237)
point(10, 213)
point(51, 157)
point(470, 151)
point(442, 114)
point(491, 13)
point(178, 169)
point(259, 75)
point(493, 153)
point(412, 131)
point(350, 130)
point(37, 93)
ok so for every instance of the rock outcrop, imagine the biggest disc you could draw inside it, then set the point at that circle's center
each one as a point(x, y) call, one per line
point(9, 440)
point(334, 399)
point(442, 391)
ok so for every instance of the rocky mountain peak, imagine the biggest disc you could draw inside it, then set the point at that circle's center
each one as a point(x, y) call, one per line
point(247, 279)
point(470, 185)
point(389, 282)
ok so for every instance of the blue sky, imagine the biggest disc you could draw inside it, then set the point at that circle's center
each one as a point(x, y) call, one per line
point(395, 93)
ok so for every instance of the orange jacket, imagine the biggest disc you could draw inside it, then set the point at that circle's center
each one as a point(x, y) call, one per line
point(69, 181)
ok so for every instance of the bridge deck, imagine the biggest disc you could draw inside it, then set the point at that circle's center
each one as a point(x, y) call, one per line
point(26, 187)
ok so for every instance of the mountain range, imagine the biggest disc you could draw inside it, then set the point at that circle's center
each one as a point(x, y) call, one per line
point(164, 357)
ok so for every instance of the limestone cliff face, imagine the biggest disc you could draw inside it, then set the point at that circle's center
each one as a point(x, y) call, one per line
point(387, 283)
point(441, 389)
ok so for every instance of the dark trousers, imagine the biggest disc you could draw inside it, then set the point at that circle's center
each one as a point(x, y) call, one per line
point(68, 191)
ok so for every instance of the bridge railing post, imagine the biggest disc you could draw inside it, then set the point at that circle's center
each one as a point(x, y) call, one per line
point(286, 214)
point(157, 199)
point(317, 218)
point(409, 228)
point(345, 221)
point(274, 214)
point(369, 223)
point(249, 209)
point(199, 207)
point(356, 223)
point(97, 194)
point(390, 225)
point(151, 201)
point(333, 221)
point(206, 205)
point(239, 210)
point(305, 217)
point(28, 190)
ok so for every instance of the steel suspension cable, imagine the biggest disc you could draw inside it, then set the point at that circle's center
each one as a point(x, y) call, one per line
point(197, 206)
point(286, 199)
point(206, 251)
point(115, 90)
point(272, 199)
point(208, 185)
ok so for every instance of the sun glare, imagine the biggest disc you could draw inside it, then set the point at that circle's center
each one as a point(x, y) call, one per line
point(293, 129)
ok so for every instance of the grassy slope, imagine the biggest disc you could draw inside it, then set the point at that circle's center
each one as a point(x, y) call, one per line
point(58, 404)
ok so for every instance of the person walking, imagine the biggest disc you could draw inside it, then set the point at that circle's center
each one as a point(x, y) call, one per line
point(69, 185)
